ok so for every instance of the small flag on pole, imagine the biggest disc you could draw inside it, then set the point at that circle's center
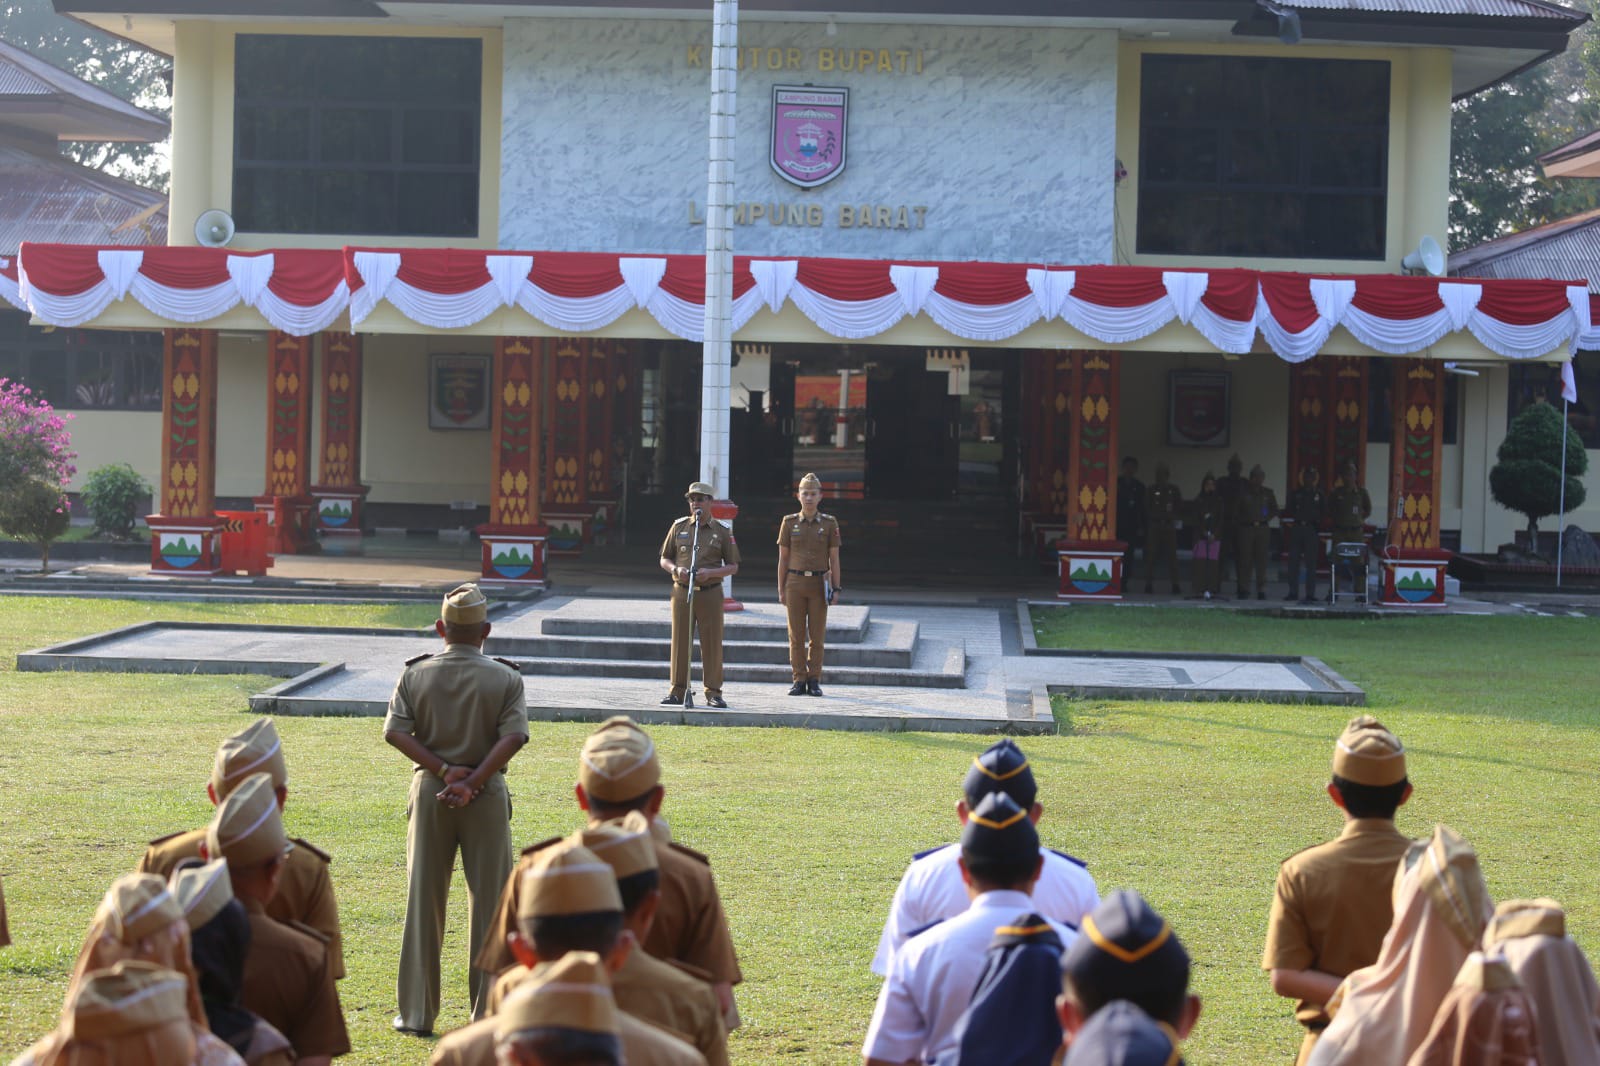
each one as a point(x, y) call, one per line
point(1569, 383)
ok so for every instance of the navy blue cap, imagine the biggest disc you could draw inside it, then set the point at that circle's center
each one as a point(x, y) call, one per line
point(1012, 1020)
point(1128, 951)
point(1120, 1034)
point(1003, 768)
point(998, 830)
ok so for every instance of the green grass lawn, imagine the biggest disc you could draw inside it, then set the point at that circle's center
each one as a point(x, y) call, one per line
point(1192, 803)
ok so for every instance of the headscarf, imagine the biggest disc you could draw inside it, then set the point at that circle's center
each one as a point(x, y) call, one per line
point(139, 919)
point(1531, 935)
point(1486, 1020)
point(1382, 1012)
point(219, 948)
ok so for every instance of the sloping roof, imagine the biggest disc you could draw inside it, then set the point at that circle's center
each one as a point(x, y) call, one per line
point(1575, 159)
point(1486, 8)
point(1566, 248)
point(58, 201)
point(45, 99)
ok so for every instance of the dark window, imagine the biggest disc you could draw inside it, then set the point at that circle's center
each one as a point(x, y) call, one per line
point(83, 369)
point(1532, 382)
point(1380, 409)
point(357, 135)
point(1287, 158)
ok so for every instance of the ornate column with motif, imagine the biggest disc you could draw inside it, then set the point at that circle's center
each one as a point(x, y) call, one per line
point(566, 478)
point(608, 384)
point(1047, 384)
point(184, 536)
point(338, 493)
point(1413, 563)
point(1310, 419)
point(1091, 555)
point(1349, 415)
point(514, 539)
point(287, 499)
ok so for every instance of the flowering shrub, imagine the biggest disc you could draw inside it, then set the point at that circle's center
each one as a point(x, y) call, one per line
point(35, 466)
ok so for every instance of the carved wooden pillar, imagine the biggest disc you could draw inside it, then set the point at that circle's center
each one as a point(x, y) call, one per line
point(286, 501)
point(184, 535)
point(607, 385)
point(566, 481)
point(514, 539)
point(1310, 419)
point(1349, 415)
point(339, 493)
point(1413, 564)
point(1091, 556)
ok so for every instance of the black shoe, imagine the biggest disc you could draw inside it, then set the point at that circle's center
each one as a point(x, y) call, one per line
point(814, 687)
point(672, 699)
point(400, 1026)
point(1176, 591)
point(716, 701)
point(1261, 595)
point(1147, 590)
point(798, 689)
point(1293, 595)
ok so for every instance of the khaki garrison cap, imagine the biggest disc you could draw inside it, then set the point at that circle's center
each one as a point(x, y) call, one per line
point(811, 481)
point(619, 761)
point(247, 829)
point(1368, 754)
point(255, 750)
point(202, 891)
point(574, 992)
point(624, 845)
point(465, 605)
point(700, 488)
point(137, 906)
point(567, 878)
point(130, 997)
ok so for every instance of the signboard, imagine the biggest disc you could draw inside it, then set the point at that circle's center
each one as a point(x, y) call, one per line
point(808, 133)
point(458, 391)
point(1197, 408)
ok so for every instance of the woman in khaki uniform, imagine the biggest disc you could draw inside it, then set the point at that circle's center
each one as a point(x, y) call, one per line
point(808, 582)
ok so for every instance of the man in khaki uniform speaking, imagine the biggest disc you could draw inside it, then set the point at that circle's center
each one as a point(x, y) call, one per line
point(305, 891)
point(808, 583)
point(710, 557)
point(459, 716)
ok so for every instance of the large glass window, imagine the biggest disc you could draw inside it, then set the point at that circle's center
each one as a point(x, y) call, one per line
point(1284, 158)
point(83, 369)
point(357, 135)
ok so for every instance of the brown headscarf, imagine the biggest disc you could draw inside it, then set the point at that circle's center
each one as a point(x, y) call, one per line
point(1486, 1019)
point(140, 919)
point(1382, 1012)
point(1532, 937)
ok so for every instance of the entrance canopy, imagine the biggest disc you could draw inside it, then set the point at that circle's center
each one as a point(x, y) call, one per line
point(303, 291)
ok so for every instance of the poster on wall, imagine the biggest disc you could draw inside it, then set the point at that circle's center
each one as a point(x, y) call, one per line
point(1197, 408)
point(458, 391)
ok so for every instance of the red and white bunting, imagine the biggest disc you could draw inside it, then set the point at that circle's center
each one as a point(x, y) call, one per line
point(301, 291)
point(1587, 339)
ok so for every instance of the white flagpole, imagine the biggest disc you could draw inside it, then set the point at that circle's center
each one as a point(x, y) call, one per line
point(1561, 522)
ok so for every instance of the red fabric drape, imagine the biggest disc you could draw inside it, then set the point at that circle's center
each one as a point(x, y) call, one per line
point(575, 275)
point(1524, 303)
point(686, 277)
point(1119, 286)
point(63, 269)
point(1397, 298)
point(985, 284)
point(1289, 300)
point(186, 268)
point(846, 279)
point(306, 276)
point(445, 271)
point(1231, 294)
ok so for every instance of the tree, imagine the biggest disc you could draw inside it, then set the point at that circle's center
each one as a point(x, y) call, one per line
point(36, 512)
point(35, 466)
point(1527, 478)
point(117, 66)
point(113, 494)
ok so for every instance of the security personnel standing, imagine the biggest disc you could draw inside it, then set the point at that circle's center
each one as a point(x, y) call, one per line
point(808, 583)
point(717, 558)
point(305, 891)
point(1163, 512)
point(1254, 508)
point(1130, 514)
point(1229, 489)
point(1307, 505)
point(1349, 507)
point(459, 716)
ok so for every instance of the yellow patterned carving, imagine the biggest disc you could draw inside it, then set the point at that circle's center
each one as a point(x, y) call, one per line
point(1096, 362)
point(508, 482)
point(1316, 407)
point(1421, 372)
point(1411, 507)
point(1425, 507)
point(191, 385)
point(280, 383)
point(175, 475)
point(509, 394)
point(1085, 497)
point(597, 457)
point(186, 340)
point(1061, 403)
point(1088, 408)
point(277, 459)
point(1427, 418)
point(523, 394)
point(1412, 418)
point(1100, 497)
point(191, 474)
point(522, 483)
point(1058, 480)
point(598, 388)
point(1103, 409)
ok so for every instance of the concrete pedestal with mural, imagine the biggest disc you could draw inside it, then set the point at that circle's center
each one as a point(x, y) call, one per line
point(1414, 577)
point(1090, 571)
point(289, 523)
point(187, 546)
point(514, 555)
point(336, 518)
point(569, 531)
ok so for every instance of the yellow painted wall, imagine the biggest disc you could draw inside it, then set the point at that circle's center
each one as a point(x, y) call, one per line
point(104, 437)
point(401, 458)
point(242, 414)
point(202, 131)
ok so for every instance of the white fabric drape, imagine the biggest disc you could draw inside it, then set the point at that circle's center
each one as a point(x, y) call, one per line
point(1117, 325)
point(849, 319)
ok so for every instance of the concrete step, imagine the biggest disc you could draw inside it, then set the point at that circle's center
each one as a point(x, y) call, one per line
point(888, 645)
point(846, 625)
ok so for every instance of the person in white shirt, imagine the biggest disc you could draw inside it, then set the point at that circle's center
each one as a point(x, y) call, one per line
point(932, 977)
point(931, 889)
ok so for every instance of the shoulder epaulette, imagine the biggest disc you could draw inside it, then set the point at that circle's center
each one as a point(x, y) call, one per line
point(693, 854)
point(531, 848)
point(302, 927)
point(415, 659)
point(508, 662)
point(1070, 858)
point(930, 851)
point(692, 970)
point(313, 849)
point(162, 840)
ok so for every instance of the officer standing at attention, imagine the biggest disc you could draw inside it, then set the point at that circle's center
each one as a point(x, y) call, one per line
point(1229, 489)
point(808, 583)
point(1255, 507)
point(1350, 507)
point(1130, 514)
point(718, 558)
point(1163, 512)
point(1307, 505)
point(459, 716)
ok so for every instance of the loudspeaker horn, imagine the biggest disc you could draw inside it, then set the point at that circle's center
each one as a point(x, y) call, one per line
point(1427, 259)
point(214, 228)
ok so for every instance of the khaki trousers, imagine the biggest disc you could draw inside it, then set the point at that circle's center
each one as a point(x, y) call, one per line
point(808, 620)
point(482, 832)
point(1160, 546)
point(1252, 545)
point(708, 620)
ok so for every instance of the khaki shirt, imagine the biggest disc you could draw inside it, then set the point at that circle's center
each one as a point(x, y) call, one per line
point(716, 548)
point(305, 889)
point(458, 703)
point(1164, 503)
point(1255, 507)
point(810, 542)
point(1332, 905)
point(288, 982)
point(1349, 506)
point(665, 995)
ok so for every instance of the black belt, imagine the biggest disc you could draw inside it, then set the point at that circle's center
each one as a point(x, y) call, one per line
point(810, 573)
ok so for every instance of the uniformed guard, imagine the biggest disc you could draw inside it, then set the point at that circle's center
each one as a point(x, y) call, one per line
point(1349, 507)
point(808, 583)
point(1307, 508)
point(305, 890)
point(1208, 517)
point(932, 888)
point(459, 716)
point(1130, 514)
point(1253, 510)
point(1333, 903)
point(1230, 488)
point(1124, 1035)
point(933, 975)
point(717, 558)
point(1127, 952)
point(288, 976)
point(1163, 515)
point(571, 1008)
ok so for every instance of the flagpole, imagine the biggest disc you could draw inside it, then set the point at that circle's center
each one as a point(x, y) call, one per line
point(1561, 522)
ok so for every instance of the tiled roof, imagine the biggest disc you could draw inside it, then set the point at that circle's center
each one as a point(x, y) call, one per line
point(1566, 248)
point(1505, 8)
point(58, 201)
point(95, 114)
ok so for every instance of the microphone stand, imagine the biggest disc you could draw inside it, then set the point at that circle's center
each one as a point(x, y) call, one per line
point(694, 569)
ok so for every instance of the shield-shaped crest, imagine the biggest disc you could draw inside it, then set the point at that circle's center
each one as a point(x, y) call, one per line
point(808, 133)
